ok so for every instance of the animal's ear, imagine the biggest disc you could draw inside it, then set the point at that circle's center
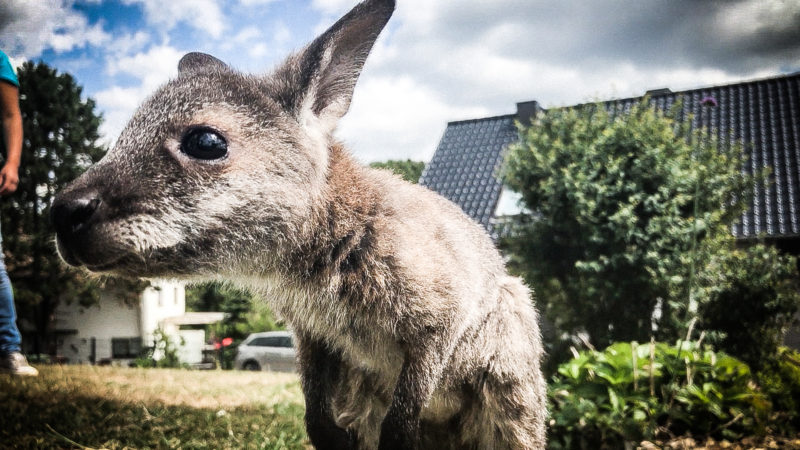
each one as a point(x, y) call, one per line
point(319, 81)
point(196, 62)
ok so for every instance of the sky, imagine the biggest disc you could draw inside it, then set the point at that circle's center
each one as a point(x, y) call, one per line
point(437, 61)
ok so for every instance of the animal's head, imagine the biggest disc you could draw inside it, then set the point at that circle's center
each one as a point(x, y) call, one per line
point(218, 167)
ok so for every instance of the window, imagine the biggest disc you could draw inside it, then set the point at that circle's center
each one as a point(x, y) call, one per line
point(509, 203)
point(258, 342)
point(126, 347)
point(272, 341)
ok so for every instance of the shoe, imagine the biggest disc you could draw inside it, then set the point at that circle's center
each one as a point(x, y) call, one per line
point(16, 364)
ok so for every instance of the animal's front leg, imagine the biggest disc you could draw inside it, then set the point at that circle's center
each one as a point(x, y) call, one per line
point(320, 369)
point(418, 378)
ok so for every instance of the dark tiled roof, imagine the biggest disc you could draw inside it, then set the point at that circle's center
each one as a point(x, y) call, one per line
point(763, 115)
point(464, 167)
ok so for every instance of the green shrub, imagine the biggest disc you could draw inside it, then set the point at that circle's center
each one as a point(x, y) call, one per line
point(163, 353)
point(628, 394)
point(780, 382)
point(749, 297)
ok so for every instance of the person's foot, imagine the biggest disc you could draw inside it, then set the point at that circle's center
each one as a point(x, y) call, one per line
point(15, 363)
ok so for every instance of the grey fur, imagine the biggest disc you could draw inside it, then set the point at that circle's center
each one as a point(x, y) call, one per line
point(411, 334)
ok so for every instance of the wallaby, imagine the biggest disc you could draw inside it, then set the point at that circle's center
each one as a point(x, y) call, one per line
point(410, 333)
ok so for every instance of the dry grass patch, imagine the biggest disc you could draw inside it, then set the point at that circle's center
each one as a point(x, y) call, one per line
point(116, 408)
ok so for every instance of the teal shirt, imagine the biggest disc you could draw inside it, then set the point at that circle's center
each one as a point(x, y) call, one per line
point(7, 72)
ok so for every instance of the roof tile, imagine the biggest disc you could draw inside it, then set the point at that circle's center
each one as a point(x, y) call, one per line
point(762, 115)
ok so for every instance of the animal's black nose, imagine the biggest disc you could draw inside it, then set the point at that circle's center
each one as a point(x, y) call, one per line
point(72, 214)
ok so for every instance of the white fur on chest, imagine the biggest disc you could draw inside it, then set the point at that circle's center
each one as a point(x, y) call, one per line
point(362, 339)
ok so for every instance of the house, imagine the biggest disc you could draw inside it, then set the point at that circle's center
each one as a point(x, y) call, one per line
point(113, 331)
point(762, 115)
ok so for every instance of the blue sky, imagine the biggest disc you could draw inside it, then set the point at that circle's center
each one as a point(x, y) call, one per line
point(438, 60)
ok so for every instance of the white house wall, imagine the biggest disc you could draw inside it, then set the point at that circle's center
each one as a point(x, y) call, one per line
point(164, 299)
point(110, 318)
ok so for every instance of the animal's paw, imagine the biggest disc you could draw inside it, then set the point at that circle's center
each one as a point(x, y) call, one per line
point(331, 437)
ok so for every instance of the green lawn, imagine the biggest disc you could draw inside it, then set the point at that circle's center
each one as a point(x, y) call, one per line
point(117, 408)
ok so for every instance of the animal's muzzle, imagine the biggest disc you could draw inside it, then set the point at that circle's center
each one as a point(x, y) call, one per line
point(72, 215)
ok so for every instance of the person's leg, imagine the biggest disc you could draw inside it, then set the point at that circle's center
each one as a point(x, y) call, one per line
point(9, 334)
point(11, 360)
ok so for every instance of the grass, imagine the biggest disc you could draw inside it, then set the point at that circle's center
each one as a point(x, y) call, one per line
point(122, 408)
point(82, 407)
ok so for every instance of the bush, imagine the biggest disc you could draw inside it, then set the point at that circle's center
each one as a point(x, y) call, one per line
point(780, 381)
point(749, 297)
point(628, 393)
point(163, 354)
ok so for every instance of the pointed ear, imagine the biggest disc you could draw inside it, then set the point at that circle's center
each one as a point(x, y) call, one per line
point(319, 81)
point(197, 62)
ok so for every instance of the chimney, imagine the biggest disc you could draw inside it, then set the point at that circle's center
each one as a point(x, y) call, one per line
point(661, 91)
point(526, 111)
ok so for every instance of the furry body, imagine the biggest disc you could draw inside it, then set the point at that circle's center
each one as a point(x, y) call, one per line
point(410, 332)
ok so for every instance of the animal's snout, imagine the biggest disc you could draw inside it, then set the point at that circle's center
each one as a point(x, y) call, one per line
point(73, 214)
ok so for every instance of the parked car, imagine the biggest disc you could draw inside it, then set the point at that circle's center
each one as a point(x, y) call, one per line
point(271, 350)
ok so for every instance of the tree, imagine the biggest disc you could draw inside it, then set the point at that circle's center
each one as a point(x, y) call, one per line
point(244, 313)
point(626, 211)
point(218, 297)
point(60, 141)
point(408, 169)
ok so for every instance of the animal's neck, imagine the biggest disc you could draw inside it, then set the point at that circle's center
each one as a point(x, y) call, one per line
point(342, 260)
point(344, 228)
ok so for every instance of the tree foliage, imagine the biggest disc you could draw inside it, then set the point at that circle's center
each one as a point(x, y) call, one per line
point(631, 215)
point(408, 169)
point(750, 297)
point(244, 312)
point(61, 140)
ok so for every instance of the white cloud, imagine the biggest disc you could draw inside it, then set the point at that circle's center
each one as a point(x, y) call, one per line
point(753, 16)
point(245, 35)
point(255, 48)
point(256, 2)
point(333, 6)
point(151, 69)
point(29, 27)
point(281, 34)
point(447, 60)
point(129, 43)
point(118, 105)
point(275, 49)
point(438, 60)
point(204, 15)
point(395, 117)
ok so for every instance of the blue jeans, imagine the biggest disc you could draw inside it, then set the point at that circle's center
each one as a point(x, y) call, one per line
point(9, 334)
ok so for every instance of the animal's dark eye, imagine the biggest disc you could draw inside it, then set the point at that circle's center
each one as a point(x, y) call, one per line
point(204, 143)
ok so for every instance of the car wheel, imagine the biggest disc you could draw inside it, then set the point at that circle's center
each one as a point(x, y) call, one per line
point(251, 365)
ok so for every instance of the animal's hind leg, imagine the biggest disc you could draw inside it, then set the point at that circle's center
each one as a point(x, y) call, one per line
point(510, 410)
point(320, 371)
point(511, 417)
